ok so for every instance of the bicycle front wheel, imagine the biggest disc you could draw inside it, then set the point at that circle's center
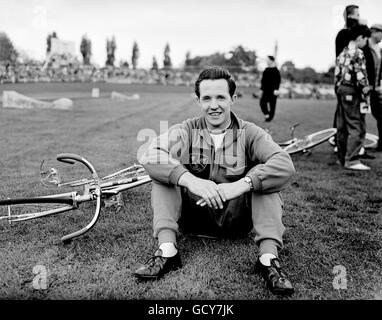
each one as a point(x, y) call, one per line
point(310, 141)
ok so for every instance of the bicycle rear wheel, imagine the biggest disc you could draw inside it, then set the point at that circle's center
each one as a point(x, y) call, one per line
point(310, 141)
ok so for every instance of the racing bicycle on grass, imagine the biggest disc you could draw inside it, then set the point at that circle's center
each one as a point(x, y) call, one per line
point(94, 189)
point(296, 145)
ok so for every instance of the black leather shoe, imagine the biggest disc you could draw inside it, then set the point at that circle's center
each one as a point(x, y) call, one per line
point(157, 266)
point(366, 156)
point(275, 277)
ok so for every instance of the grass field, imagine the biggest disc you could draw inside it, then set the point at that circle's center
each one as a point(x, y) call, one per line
point(333, 217)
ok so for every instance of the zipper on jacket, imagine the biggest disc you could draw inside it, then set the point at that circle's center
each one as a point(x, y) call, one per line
point(212, 169)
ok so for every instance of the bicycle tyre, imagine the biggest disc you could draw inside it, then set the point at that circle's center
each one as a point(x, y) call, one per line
point(310, 141)
point(371, 141)
point(332, 141)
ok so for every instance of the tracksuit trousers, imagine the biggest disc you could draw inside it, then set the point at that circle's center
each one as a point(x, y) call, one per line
point(175, 210)
point(351, 126)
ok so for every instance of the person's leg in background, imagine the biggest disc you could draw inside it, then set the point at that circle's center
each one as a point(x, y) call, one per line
point(351, 129)
point(356, 127)
point(272, 106)
point(264, 105)
point(376, 110)
point(342, 133)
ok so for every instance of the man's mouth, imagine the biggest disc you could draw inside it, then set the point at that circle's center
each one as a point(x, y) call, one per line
point(214, 114)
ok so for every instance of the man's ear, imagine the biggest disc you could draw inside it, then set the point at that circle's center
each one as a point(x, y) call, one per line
point(359, 38)
point(195, 98)
point(234, 98)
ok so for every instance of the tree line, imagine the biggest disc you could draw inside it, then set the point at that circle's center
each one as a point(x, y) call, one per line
point(237, 60)
point(111, 46)
point(291, 73)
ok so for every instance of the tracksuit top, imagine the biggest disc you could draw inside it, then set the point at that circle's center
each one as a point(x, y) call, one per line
point(247, 150)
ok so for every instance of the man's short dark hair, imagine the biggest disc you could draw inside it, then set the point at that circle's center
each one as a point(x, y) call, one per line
point(359, 30)
point(349, 10)
point(215, 73)
point(272, 58)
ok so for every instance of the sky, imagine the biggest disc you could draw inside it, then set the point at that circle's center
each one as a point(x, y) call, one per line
point(305, 30)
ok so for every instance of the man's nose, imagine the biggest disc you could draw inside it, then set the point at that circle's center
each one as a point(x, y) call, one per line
point(214, 103)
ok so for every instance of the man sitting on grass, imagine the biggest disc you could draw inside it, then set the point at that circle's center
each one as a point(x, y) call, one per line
point(219, 176)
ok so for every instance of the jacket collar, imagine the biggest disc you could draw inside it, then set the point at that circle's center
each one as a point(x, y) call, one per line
point(233, 131)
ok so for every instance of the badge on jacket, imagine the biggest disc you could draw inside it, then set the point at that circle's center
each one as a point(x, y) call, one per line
point(198, 162)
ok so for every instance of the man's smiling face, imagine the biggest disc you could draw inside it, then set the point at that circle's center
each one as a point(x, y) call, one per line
point(216, 102)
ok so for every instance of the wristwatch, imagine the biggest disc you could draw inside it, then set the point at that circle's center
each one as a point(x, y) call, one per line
point(249, 181)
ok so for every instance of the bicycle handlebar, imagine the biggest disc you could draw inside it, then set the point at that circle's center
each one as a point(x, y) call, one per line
point(71, 159)
point(90, 225)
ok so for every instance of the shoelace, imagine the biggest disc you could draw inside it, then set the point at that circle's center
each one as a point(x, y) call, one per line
point(279, 270)
point(151, 262)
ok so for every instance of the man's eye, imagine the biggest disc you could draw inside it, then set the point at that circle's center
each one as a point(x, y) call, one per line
point(206, 98)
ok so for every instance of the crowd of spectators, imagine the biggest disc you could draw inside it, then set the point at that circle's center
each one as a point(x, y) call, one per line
point(23, 73)
point(26, 73)
point(38, 73)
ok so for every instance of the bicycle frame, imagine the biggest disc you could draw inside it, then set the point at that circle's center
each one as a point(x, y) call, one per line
point(94, 190)
point(292, 139)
